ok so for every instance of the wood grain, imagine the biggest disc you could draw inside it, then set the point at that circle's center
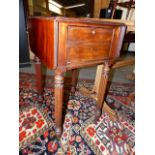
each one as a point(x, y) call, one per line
point(41, 33)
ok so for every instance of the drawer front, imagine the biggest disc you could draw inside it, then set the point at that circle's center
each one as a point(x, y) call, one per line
point(88, 53)
point(88, 43)
point(89, 34)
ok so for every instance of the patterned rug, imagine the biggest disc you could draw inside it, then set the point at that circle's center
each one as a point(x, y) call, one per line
point(33, 122)
point(109, 137)
point(79, 111)
point(118, 100)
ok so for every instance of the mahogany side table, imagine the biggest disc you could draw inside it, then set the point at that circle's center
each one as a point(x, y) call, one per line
point(70, 43)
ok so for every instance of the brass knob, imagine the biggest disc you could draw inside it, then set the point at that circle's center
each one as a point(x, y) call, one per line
point(93, 32)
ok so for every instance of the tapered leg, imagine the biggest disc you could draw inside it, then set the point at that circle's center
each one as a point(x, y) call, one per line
point(102, 84)
point(75, 74)
point(58, 93)
point(39, 85)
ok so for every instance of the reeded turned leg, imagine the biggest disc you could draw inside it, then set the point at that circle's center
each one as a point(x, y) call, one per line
point(58, 93)
point(39, 85)
point(99, 89)
point(102, 84)
point(75, 74)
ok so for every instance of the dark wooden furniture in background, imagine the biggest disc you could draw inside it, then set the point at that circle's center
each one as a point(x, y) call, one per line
point(70, 43)
point(24, 59)
point(129, 4)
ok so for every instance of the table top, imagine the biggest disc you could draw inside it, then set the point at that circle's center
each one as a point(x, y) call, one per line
point(129, 23)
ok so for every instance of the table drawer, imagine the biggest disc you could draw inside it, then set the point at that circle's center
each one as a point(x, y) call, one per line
point(87, 53)
point(88, 43)
point(89, 34)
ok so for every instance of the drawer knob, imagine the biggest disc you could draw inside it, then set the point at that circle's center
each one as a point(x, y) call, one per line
point(93, 32)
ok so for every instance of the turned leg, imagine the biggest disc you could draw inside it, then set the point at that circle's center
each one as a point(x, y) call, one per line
point(38, 75)
point(75, 74)
point(58, 94)
point(101, 87)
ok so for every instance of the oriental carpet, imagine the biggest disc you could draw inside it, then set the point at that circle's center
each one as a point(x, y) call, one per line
point(36, 118)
